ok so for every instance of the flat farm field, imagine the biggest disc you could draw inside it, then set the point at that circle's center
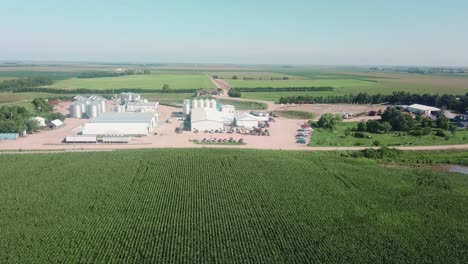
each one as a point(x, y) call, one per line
point(227, 206)
point(137, 82)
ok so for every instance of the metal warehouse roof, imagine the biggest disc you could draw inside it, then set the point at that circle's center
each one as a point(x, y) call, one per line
point(423, 107)
point(206, 114)
point(124, 117)
point(246, 117)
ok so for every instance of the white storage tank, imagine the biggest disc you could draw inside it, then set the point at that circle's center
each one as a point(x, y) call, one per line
point(103, 105)
point(84, 106)
point(118, 108)
point(186, 108)
point(195, 103)
point(92, 111)
point(213, 103)
point(207, 103)
point(99, 107)
point(75, 111)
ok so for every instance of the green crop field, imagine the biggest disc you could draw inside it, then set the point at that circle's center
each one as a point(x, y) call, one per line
point(138, 81)
point(346, 81)
point(325, 137)
point(228, 206)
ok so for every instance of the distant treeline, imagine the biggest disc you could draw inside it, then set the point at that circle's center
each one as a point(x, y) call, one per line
point(25, 83)
point(286, 89)
point(101, 91)
point(459, 103)
point(101, 74)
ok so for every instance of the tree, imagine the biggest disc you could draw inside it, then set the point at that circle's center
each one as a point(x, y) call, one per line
point(146, 72)
point(234, 93)
point(53, 116)
point(443, 122)
point(235, 77)
point(361, 127)
point(31, 125)
point(42, 105)
point(329, 121)
point(166, 87)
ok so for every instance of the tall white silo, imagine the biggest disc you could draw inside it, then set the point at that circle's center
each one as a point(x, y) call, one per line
point(186, 107)
point(195, 103)
point(99, 107)
point(213, 103)
point(207, 103)
point(103, 105)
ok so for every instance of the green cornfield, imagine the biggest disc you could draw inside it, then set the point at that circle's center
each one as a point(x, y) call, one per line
point(227, 206)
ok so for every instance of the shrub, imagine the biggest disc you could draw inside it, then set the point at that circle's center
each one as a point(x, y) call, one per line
point(376, 143)
point(360, 135)
point(440, 134)
point(234, 93)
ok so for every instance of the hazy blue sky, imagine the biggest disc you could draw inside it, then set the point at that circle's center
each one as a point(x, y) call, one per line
point(390, 32)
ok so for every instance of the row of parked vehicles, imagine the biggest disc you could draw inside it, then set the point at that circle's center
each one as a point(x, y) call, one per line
point(303, 133)
point(220, 140)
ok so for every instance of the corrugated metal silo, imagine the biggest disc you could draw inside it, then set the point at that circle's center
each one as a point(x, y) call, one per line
point(92, 111)
point(103, 104)
point(75, 110)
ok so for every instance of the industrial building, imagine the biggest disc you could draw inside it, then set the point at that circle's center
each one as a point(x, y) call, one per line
point(122, 124)
point(261, 116)
point(229, 112)
point(203, 119)
point(423, 109)
point(246, 120)
point(143, 106)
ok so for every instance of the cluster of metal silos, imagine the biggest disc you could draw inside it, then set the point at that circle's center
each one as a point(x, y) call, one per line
point(129, 97)
point(91, 106)
point(203, 103)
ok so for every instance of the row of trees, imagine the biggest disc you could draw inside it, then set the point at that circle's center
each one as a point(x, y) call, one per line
point(16, 84)
point(396, 120)
point(101, 74)
point(287, 89)
point(459, 103)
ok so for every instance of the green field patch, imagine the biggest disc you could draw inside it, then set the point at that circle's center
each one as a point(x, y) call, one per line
point(138, 82)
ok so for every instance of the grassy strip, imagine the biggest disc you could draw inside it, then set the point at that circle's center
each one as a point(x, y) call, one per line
point(291, 114)
point(244, 105)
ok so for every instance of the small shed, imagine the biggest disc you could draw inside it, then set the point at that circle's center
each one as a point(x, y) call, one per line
point(56, 123)
point(40, 121)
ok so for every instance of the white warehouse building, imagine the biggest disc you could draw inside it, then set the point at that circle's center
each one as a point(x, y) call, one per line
point(246, 120)
point(203, 119)
point(122, 124)
point(422, 109)
point(142, 107)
